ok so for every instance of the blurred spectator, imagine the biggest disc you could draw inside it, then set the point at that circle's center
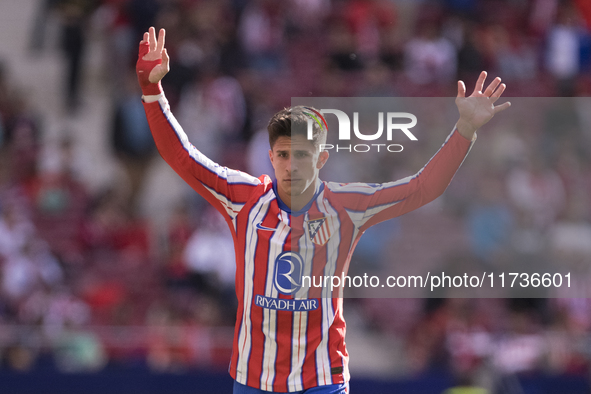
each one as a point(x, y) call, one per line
point(542, 15)
point(64, 311)
point(78, 350)
point(261, 29)
point(563, 356)
point(19, 275)
point(113, 20)
point(516, 57)
point(468, 338)
point(470, 56)
point(258, 148)
point(342, 48)
point(142, 14)
point(563, 49)
point(572, 234)
point(103, 295)
point(210, 255)
point(307, 16)
point(16, 229)
point(22, 139)
point(59, 202)
point(131, 137)
point(521, 349)
point(369, 21)
point(430, 58)
point(426, 341)
point(212, 113)
point(38, 35)
point(585, 10)
point(537, 191)
point(75, 15)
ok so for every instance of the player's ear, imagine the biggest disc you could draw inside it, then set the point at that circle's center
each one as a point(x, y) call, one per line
point(271, 158)
point(322, 158)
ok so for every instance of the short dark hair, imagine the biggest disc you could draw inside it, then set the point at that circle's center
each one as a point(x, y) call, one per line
point(294, 121)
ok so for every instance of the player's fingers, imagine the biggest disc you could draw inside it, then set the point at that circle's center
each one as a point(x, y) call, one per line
point(165, 59)
point(461, 89)
point(480, 82)
point(491, 88)
point(160, 44)
point(502, 107)
point(495, 96)
point(152, 32)
point(144, 46)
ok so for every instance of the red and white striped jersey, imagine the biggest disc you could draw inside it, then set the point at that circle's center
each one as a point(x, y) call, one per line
point(285, 338)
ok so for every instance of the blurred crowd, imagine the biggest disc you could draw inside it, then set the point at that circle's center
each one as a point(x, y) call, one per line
point(73, 262)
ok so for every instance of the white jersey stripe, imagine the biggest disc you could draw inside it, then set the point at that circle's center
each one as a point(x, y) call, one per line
point(360, 188)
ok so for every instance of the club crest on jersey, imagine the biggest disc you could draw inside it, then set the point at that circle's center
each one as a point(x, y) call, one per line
point(319, 230)
point(288, 272)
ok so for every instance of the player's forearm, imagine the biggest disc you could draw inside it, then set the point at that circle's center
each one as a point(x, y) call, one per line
point(165, 135)
point(437, 174)
point(431, 181)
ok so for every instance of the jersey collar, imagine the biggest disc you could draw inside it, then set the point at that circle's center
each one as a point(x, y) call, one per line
point(284, 207)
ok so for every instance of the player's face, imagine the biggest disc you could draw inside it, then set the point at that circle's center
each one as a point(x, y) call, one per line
point(296, 162)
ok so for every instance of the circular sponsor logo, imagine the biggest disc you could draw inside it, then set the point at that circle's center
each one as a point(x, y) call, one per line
point(288, 272)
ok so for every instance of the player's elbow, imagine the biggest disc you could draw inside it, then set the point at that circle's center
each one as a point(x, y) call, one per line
point(433, 192)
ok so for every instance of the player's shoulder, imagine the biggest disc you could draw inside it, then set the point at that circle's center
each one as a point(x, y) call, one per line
point(266, 181)
point(237, 177)
point(262, 184)
point(352, 187)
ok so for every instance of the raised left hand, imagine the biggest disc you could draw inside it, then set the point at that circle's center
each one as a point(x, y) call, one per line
point(478, 108)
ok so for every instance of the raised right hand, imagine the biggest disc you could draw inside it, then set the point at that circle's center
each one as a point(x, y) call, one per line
point(153, 62)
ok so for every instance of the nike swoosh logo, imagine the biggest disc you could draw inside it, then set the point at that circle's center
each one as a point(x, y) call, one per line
point(261, 227)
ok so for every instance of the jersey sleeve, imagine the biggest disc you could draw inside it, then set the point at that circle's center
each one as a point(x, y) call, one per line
point(226, 189)
point(369, 204)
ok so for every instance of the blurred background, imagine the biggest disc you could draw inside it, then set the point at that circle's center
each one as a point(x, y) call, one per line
point(116, 277)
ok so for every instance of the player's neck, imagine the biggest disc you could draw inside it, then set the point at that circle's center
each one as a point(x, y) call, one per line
point(296, 203)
